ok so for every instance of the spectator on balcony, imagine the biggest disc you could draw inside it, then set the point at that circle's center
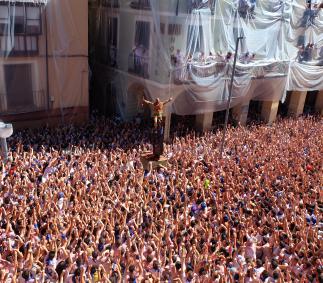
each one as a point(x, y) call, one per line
point(138, 56)
point(320, 56)
point(308, 52)
point(321, 53)
point(309, 15)
point(246, 8)
point(229, 57)
point(300, 54)
point(220, 57)
point(211, 57)
point(179, 63)
point(247, 58)
point(179, 58)
point(201, 57)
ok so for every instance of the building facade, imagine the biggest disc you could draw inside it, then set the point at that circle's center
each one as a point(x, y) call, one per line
point(135, 47)
point(43, 62)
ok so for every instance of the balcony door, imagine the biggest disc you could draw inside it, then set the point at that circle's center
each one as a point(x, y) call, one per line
point(139, 59)
point(142, 37)
point(19, 87)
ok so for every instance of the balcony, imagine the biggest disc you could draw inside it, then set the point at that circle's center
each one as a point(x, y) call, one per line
point(207, 70)
point(140, 4)
point(138, 65)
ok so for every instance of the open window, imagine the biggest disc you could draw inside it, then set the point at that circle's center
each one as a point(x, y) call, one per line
point(108, 41)
point(20, 27)
point(139, 58)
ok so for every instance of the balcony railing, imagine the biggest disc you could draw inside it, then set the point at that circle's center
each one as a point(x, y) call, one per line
point(39, 103)
point(207, 70)
point(140, 4)
point(138, 65)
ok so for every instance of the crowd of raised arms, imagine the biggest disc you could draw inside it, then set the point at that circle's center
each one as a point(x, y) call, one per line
point(77, 206)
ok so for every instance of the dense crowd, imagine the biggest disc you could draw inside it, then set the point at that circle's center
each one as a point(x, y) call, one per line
point(77, 206)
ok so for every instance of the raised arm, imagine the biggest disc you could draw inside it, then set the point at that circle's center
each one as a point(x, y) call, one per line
point(146, 101)
point(167, 101)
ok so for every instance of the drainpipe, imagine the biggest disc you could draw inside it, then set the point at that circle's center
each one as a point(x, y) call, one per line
point(47, 72)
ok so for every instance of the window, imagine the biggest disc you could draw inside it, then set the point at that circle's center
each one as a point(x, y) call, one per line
point(112, 30)
point(19, 45)
point(108, 40)
point(20, 19)
point(17, 18)
point(108, 31)
point(33, 22)
point(174, 29)
point(19, 95)
point(24, 23)
point(4, 18)
point(142, 34)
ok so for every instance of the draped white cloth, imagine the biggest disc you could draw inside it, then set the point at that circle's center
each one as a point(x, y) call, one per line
point(281, 49)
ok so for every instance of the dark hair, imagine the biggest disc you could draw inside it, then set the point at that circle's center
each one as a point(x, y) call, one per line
point(264, 275)
point(274, 263)
point(93, 269)
point(178, 265)
point(94, 254)
point(132, 268)
point(51, 255)
point(26, 274)
point(275, 275)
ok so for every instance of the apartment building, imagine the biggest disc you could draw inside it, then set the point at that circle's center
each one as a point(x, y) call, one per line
point(117, 28)
point(43, 62)
point(130, 59)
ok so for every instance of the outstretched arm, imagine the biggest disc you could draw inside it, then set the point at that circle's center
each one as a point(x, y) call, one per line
point(167, 101)
point(146, 101)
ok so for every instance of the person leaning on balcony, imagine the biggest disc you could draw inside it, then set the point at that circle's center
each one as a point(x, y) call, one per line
point(229, 56)
point(138, 52)
point(219, 57)
point(179, 64)
point(201, 57)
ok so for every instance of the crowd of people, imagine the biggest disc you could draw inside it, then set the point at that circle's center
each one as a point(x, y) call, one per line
point(77, 205)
